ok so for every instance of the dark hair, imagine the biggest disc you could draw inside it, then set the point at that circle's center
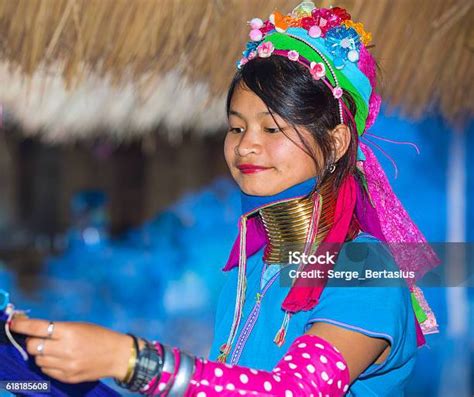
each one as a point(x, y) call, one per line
point(289, 90)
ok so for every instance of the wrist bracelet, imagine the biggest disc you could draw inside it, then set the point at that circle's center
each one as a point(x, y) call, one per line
point(132, 361)
point(149, 365)
point(184, 374)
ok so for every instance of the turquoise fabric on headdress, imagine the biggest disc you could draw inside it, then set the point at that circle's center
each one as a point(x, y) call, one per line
point(350, 78)
point(350, 70)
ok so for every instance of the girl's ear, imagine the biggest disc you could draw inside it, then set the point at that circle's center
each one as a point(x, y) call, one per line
point(341, 138)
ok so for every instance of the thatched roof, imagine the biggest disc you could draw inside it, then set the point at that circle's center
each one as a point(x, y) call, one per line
point(77, 66)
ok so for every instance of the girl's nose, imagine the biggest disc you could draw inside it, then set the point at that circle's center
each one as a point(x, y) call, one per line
point(249, 144)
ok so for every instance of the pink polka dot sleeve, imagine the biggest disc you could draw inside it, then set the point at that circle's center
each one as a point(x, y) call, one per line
point(311, 367)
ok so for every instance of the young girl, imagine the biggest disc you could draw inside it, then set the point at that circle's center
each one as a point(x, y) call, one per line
point(301, 98)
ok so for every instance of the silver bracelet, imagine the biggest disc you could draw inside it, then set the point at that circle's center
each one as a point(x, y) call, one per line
point(168, 366)
point(184, 374)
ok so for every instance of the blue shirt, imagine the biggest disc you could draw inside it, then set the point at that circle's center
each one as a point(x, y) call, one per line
point(376, 311)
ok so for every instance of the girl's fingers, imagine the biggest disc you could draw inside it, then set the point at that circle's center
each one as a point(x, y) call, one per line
point(63, 376)
point(44, 347)
point(59, 368)
point(49, 362)
point(33, 327)
point(54, 373)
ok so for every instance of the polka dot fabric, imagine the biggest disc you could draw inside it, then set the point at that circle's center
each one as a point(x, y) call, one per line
point(311, 367)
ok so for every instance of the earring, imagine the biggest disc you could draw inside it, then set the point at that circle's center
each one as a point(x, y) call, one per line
point(332, 168)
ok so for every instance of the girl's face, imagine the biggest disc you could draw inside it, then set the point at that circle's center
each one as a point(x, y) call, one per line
point(261, 158)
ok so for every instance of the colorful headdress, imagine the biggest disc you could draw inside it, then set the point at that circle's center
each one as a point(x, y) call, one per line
point(331, 46)
point(333, 49)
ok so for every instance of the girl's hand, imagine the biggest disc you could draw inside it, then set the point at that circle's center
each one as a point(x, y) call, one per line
point(76, 352)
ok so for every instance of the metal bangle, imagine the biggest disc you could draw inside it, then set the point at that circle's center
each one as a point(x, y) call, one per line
point(168, 366)
point(183, 376)
point(128, 380)
point(149, 364)
point(168, 359)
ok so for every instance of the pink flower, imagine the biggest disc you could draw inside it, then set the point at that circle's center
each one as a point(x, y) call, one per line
point(243, 61)
point(327, 18)
point(265, 49)
point(293, 55)
point(252, 55)
point(337, 92)
point(317, 70)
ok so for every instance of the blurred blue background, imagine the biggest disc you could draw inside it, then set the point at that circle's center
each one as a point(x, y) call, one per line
point(161, 280)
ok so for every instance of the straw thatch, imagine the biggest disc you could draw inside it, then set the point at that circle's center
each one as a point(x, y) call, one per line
point(76, 66)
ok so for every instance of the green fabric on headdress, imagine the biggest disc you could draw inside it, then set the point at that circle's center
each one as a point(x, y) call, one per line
point(281, 41)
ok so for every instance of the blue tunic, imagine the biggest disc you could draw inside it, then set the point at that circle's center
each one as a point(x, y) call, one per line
point(376, 311)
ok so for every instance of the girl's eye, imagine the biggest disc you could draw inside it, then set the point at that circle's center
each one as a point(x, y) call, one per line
point(236, 130)
point(272, 130)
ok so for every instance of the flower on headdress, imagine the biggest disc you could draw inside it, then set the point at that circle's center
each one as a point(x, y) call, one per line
point(326, 18)
point(317, 70)
point(250, 47)
point(307, 22)
point(341, 13)
point(337, 92)
point(293, 55)
point(265, 49)
point(252, 55)
point(242, 62)
point(343, 43)
point(278, 19)
point(292, 22)
point(365, 37)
